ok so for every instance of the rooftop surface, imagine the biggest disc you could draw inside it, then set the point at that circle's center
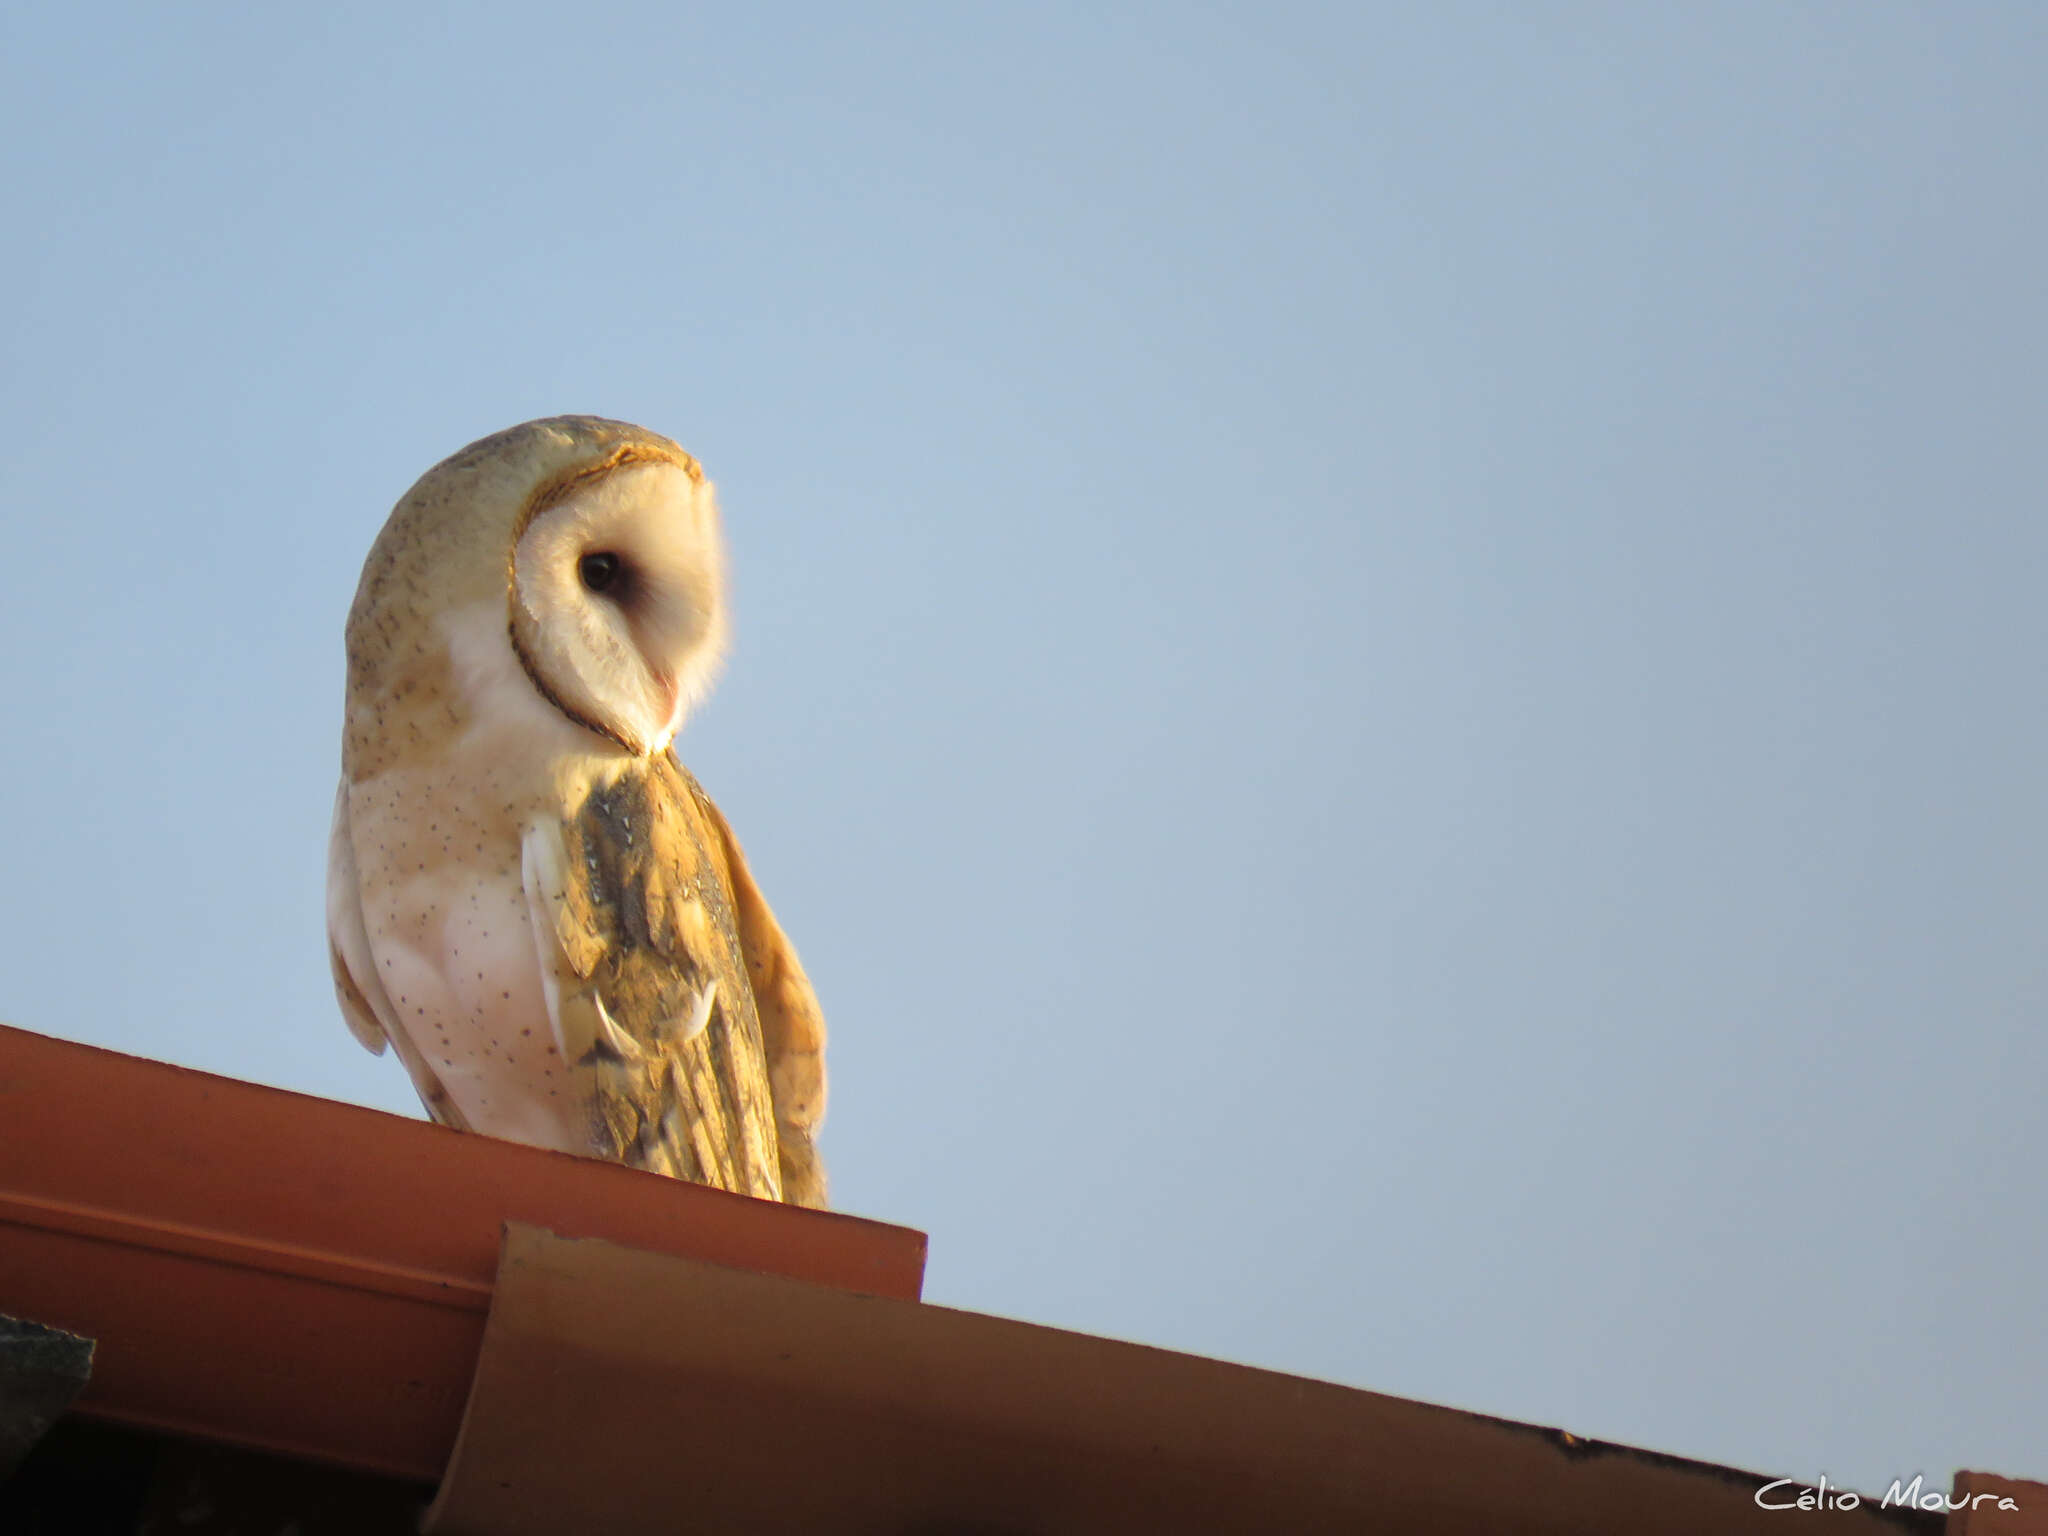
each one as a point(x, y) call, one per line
point(564, 1344)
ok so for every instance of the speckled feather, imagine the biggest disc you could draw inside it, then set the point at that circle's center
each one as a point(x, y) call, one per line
point(654, 889)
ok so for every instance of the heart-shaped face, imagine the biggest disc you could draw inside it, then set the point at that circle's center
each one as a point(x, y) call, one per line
point(617, 601)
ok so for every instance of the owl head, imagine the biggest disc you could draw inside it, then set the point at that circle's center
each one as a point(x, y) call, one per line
point(599, 543)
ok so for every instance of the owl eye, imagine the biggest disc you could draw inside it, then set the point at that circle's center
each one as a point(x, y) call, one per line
point(599, 571)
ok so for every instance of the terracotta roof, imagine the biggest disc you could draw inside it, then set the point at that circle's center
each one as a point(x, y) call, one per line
point(278, 1271)
point(266, 1270)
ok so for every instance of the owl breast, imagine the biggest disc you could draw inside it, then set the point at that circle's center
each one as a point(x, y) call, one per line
point(435, 826)
point(446, 915)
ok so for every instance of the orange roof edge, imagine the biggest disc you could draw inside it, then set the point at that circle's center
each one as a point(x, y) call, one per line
point(617, 1388)
point(289, 1273)
point(264, 1269)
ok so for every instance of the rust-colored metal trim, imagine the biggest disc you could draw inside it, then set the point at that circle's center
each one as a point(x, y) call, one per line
point(297, 1275)
point(1985, 1504)
point(626, 1392)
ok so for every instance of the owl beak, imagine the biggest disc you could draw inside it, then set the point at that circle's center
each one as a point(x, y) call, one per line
point(669, 698)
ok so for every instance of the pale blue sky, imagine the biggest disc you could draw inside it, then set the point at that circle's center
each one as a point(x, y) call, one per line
point(1389, 659)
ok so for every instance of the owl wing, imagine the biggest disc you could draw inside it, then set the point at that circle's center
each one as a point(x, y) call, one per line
point(646, 984)
point(364, 1007)
point(792, 1023)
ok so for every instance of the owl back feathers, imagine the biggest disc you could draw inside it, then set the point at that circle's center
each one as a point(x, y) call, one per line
point(663, 948)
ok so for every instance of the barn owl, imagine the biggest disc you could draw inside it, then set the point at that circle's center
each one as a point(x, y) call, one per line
point(528, 896)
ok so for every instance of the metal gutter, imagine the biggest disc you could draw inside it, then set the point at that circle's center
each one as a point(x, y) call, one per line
point(287, 1273)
